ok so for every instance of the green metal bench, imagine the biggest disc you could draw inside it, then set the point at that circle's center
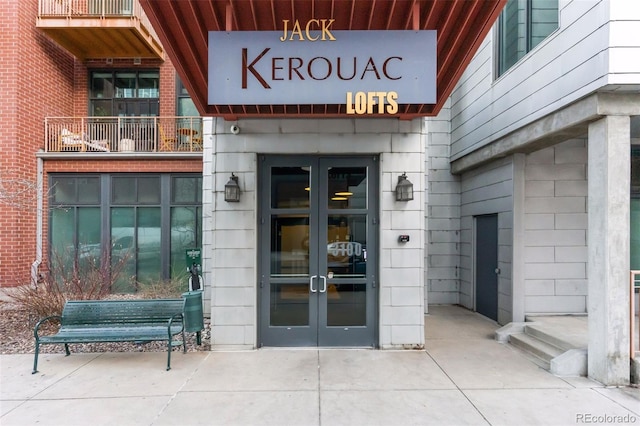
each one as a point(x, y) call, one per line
point(94, 321)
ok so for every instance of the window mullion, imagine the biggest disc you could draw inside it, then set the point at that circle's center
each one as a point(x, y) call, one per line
point(528, 26)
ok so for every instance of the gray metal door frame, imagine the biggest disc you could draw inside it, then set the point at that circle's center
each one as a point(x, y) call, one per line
point(319, 280)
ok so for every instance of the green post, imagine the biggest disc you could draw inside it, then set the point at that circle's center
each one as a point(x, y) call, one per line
point(193, 314)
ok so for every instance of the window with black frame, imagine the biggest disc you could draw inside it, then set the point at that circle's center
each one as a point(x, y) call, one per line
point(186, 108)
point(140, 225)
point(75, 237)
point(124, 92)
point(119, 103)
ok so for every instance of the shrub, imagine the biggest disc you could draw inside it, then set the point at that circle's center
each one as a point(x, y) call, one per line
point(68, 278)
point(164, 289)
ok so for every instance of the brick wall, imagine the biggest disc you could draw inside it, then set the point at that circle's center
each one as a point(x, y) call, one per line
point(123, 166)
point(36, 80)
point(39, 79)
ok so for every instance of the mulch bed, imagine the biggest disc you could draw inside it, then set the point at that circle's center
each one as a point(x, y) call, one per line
point(16, 329)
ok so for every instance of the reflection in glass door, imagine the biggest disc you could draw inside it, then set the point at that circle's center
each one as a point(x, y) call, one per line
point(318, 240)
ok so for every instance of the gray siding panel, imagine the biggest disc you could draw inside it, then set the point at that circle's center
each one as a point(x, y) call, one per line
point(571, 63)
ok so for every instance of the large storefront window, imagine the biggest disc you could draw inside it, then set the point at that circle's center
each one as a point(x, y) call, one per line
point(186, 220)
point(140, 224)
point(74, 231)
point(522, 25)
point(635, 207)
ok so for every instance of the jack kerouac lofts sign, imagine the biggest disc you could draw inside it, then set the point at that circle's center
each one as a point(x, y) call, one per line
point(370, 72)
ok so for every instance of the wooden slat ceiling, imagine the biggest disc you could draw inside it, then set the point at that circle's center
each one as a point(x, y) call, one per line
point(183, 26)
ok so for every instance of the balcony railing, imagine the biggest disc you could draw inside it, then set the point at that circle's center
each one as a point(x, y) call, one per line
point(87, 7)
point(123, 134)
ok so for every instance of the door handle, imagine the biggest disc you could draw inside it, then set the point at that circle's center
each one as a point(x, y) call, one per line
point(311, 289)
point(324, 284)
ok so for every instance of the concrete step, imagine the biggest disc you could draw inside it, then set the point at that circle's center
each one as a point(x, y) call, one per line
point(558, 344)
point(541, 350)
point(549, 335)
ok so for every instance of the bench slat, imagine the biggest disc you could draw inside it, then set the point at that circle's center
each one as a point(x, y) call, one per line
point(118, 311)
point(110, 334)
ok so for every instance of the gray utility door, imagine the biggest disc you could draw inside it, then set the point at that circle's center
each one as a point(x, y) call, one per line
point(486, 265)
point(318, 245)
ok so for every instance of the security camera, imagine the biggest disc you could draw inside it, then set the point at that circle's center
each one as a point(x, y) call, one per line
point(235, 129)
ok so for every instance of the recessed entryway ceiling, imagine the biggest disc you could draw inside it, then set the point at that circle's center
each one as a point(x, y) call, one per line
point(183, 27)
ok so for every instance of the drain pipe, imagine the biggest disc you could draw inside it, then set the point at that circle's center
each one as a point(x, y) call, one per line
point(39, 202)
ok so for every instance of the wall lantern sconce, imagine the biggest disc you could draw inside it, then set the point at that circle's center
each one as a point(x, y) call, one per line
point(404, 189)
point(232, 190)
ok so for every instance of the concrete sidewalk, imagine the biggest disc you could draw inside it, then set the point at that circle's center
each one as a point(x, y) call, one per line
point(463, 377)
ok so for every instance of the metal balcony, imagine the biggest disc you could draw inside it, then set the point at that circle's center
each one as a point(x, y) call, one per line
point(95, 29)
point(123, 134)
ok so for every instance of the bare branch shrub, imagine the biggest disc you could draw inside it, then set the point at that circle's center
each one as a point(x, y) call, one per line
point(164, 289)
point(17, 192)
point(69, 278)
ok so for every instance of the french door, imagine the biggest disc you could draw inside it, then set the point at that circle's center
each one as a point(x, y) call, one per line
point(318, 251)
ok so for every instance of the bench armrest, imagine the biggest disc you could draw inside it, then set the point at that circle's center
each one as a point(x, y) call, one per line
point(173, 318)
point(176, 316)
point(42, 321)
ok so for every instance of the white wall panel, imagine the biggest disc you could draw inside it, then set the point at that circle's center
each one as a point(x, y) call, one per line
point(442, 217)
point(555, 235)
point(230, 229)
point(588, 52)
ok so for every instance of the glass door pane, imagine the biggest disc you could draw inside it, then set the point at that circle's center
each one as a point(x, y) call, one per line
point(290, 187)
point(346, 246)
point(347, 305)
point(288, 259)
point(317, 279)
point(346, 257)
point(347, 295)
point(347, 188)
point(290, 246)
point(289, 305)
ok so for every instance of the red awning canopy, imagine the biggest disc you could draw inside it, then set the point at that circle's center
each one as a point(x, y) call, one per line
point(183, 26)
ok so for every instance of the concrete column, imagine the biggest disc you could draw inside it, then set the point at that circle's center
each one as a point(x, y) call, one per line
point(608, 240)
point(517, 263)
